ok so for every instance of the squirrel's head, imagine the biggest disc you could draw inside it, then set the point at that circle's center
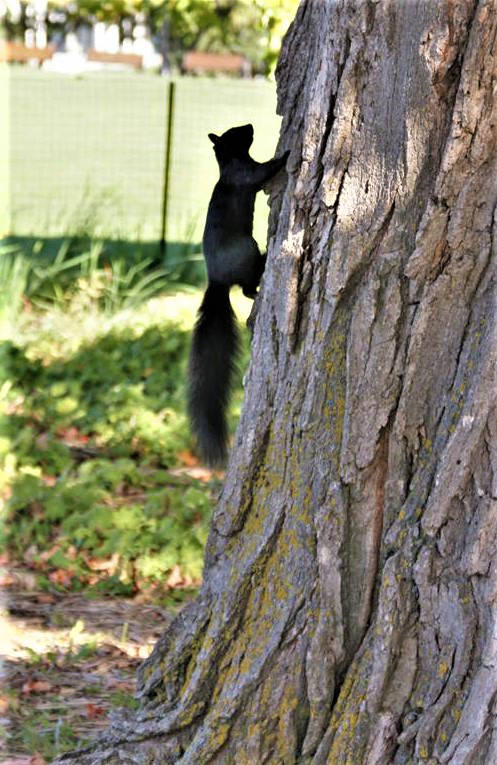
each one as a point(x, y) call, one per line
point(235, 142)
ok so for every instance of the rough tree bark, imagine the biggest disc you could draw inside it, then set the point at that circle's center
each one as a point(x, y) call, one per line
point(348, 613)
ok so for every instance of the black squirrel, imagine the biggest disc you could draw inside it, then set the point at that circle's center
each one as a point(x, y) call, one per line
point(232, 257)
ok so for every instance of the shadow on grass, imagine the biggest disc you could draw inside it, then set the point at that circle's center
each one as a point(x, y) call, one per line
point(116, 386)
point(90, 441)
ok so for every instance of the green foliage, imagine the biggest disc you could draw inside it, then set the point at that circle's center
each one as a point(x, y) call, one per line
point(81, 270)
point(121, 398)
point(122, 390)
point(91, 515)
point(92, 423)
point(92, 418)
point(251, 27)
point(14, 275)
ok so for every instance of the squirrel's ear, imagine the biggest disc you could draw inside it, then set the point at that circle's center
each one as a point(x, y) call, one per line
point(214, 138)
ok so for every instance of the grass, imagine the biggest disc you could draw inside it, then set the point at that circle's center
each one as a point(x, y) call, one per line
point(86, 153)
point(93, 422)
point(102, 498)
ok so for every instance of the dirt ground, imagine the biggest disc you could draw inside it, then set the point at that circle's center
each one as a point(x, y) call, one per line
point(65, 662)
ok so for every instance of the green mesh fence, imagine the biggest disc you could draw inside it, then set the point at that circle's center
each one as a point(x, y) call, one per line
point(4, 150)
point(86, 154)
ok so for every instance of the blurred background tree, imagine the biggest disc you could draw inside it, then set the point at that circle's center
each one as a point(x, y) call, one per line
point(253, 28)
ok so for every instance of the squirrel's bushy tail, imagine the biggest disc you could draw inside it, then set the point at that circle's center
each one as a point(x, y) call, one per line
point(213, 356)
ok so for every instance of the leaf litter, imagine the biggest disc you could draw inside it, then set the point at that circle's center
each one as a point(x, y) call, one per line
point(65, 662)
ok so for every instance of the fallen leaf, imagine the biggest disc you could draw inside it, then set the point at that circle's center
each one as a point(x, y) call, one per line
point(25, 579)
point(44, 556)
point(6, 493)
point(197, 472)
point(104, 564)
point(61, 576)
point(36, 686)
point(72, 436)
point(93, 711)
point(45, 597)
point(27, 304)
point(49, 480)
point(187, 458)
point(175, 577)
point(188, 581)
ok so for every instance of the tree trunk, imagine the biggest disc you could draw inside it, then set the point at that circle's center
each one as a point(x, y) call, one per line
point(348, 610)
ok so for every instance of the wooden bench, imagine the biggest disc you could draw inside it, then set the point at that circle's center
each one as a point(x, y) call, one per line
point(127, 59)
point(229, 63)
point(20, 53)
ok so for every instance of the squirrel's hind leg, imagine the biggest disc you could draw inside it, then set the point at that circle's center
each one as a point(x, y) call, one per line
point(249, 286)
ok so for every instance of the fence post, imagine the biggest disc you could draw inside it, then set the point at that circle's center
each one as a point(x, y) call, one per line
point(167, 169)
